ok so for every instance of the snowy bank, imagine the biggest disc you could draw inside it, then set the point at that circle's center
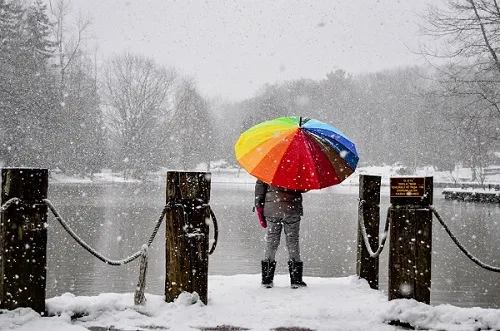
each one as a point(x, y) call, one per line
point(326, 304)
point(460, 176)
point(470, 194)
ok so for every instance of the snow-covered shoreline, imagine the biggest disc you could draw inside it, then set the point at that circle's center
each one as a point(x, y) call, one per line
point(344, 303)
point(458, 178)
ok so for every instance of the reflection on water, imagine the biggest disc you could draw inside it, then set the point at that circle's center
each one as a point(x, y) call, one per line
point(118, 219)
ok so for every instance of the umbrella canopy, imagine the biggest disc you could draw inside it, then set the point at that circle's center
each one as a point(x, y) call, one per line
point(296, 153)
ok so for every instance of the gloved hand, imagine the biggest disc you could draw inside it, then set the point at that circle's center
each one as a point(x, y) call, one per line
point(262, 219)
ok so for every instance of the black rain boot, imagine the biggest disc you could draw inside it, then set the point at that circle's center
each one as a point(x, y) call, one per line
point(268, 268)
point(295, 269)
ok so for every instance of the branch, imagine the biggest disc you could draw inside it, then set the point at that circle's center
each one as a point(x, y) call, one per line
point(82, 26)
point(485, 37)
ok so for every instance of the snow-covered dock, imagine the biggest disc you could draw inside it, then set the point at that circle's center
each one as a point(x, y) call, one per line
point(476, 195)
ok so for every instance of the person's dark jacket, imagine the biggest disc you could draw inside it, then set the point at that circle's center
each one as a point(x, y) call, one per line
point(277, 201)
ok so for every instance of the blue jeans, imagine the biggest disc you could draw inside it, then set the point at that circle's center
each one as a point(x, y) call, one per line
point(291, 225)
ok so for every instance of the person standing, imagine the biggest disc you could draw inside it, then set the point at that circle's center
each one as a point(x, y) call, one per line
point(279, 208)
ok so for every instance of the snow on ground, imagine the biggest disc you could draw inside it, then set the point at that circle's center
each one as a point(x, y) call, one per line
point(341, 304)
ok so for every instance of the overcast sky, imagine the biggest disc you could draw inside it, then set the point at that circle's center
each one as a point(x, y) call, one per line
point(233, 47)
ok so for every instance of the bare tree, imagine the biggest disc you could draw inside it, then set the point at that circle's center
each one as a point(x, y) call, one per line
point(472, 135)
point(468, 72)
point(69, 41)
point(138, 108)
point(468, 32)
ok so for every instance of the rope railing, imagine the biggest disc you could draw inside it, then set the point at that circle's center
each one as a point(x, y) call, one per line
point(382, 237)
point(460, 246)
point(139, 297)
point(91, 250)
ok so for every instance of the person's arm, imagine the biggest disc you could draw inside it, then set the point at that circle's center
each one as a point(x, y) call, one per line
point(260, 193)
point(260, 196)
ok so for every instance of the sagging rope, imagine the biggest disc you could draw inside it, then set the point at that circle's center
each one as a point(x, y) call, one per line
point(93, 251)
point(9, 202)
point(462, 248)
point(366, 240)
point(139, 297)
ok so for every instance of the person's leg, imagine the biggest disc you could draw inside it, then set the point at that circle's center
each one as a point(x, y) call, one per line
point(273, 235)
point(295, 265)
point(292, 229)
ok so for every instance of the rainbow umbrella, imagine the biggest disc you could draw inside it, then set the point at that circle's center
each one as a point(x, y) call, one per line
point(297, 153)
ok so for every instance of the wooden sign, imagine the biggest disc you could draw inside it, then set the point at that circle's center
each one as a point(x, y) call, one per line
point(411, 190)
point(407, 187)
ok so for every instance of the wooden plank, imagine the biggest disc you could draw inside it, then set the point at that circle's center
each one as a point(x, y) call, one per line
point(23, 239)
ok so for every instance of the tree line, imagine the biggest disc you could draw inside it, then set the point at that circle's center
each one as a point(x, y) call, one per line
point(62, 111)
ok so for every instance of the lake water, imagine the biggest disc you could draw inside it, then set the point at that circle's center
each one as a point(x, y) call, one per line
point(116, 219)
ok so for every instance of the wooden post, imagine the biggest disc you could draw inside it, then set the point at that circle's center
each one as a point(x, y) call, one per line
point(187, 234)
point(410, 238)
point(367, 267)
point(23, 239)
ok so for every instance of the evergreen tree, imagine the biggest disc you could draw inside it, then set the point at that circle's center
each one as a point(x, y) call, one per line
point(37, 44)
point(11, 28)
point(27, 84)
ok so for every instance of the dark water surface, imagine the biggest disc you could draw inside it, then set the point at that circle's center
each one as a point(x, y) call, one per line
point(116, 219)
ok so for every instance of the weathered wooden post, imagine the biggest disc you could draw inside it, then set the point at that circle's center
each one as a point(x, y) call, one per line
point(367, 267)
point(410, 238)
point(187, 234)
point(23, 239)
